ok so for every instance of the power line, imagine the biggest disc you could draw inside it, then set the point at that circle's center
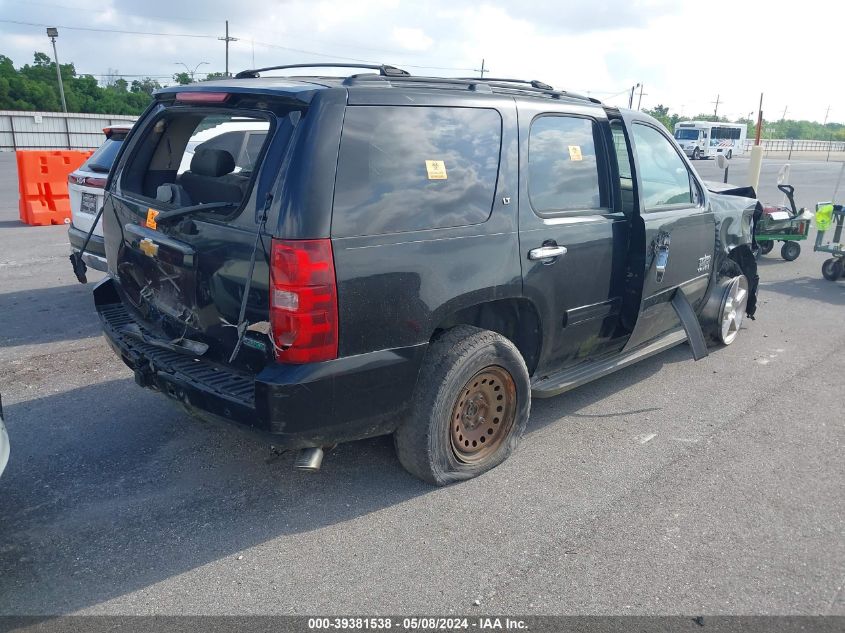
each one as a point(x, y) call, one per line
point(201, 36)
point(89, 28)
point(144, 75)
point(78, 9)
point(309, 37)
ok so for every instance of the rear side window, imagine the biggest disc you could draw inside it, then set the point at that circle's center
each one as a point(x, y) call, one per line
point(414, 168)
point(188, 158)
point(563, 168)
point(103, 158)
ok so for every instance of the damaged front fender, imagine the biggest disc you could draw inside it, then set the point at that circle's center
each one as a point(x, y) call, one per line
point(736, 211)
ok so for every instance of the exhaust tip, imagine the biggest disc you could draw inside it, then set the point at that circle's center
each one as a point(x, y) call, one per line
point(309, 459)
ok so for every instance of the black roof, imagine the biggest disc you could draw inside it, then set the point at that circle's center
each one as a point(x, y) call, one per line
point(385, 77)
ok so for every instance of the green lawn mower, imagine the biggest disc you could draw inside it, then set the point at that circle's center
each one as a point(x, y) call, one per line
point(783, 224)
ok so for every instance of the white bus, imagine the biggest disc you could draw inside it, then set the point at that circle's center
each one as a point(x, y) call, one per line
point(705, 139)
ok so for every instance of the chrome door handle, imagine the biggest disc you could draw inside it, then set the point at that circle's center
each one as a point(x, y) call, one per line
point(546, 252)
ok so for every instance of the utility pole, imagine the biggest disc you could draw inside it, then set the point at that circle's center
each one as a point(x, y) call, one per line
point(227, 39)
point(631, 96)
point(759, 121)
point(716, 109)
point(483, 69)
point(53, 33)
point(784, 113)
point(640, 101)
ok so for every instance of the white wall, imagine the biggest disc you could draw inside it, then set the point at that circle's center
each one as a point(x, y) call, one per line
point(55, 130)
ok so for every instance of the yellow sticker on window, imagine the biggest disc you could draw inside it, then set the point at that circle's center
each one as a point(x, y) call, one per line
point(436, 169)
point(151, 218)
point(575, 152)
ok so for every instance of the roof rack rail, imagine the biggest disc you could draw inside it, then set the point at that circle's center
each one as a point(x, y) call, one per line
point(534, 83)
point(384, 69)
point(523, 86)
point(472, 84)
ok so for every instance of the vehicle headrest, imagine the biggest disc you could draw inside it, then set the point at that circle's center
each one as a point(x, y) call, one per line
point(212, 162)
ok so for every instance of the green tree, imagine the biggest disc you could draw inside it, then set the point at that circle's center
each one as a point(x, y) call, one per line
point(146, 86)
point(35, 87)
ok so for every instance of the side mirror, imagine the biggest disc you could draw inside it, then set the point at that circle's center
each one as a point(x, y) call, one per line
point(721, 161)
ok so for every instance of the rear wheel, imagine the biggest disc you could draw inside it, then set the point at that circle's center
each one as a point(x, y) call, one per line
point(766, 247)
point(790, 251)
point(832, 269)
point(470, 407)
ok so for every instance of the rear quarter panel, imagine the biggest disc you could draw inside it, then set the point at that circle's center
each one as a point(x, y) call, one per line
point(395, 289)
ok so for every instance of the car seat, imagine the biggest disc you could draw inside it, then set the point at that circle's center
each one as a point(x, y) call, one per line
point(209, 178)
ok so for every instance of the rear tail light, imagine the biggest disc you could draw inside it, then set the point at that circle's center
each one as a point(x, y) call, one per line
point(87, 181)
point(303, 301)
point(118, 132)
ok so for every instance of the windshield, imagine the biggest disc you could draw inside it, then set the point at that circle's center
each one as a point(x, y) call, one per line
point(190, 158)
point(102, 159)
point(686, 134)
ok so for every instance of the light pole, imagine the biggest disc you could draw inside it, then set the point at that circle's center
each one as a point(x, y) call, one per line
point(53, 33)
point(190, 72)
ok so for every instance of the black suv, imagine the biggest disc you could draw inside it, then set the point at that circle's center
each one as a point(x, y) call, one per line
point(410, 255)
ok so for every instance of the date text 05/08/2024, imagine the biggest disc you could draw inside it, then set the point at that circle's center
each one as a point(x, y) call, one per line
point(416, 624)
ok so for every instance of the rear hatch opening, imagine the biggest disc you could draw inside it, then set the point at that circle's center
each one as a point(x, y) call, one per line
point(191, 258)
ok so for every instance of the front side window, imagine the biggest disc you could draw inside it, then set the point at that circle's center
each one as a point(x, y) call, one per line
point(665, 179)
point(187, 158)
point(415, 168)
point(563, 169)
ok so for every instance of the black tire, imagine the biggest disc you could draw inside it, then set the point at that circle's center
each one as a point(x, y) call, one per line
point(790, 251)
point(832, 269)
point(766, 247)
point(730, 154)
point(696, 154)
point(424, 441)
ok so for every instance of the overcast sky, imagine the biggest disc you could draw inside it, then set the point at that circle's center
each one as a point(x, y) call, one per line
point(685, 53)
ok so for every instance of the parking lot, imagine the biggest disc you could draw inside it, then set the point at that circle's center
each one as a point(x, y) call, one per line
point(672, 487)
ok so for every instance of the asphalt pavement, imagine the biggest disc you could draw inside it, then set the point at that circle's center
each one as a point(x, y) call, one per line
point(672, 487)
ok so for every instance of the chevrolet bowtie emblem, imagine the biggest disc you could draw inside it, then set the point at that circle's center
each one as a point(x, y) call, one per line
point(148, 247)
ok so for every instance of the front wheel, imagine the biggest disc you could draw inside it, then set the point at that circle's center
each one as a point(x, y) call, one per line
point(832, 269)
point(732, 309)
point(790, 251)
point(469, 410)
point(766, 247)
point(730, 154)
point(696, 154)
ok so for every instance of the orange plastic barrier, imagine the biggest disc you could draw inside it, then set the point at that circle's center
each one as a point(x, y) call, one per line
point(42, 184)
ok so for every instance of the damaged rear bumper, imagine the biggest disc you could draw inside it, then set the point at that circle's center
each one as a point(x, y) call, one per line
point(314, 404)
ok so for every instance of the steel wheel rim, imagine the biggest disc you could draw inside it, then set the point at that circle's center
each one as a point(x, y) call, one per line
point(733, 309)
point(483, 415)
